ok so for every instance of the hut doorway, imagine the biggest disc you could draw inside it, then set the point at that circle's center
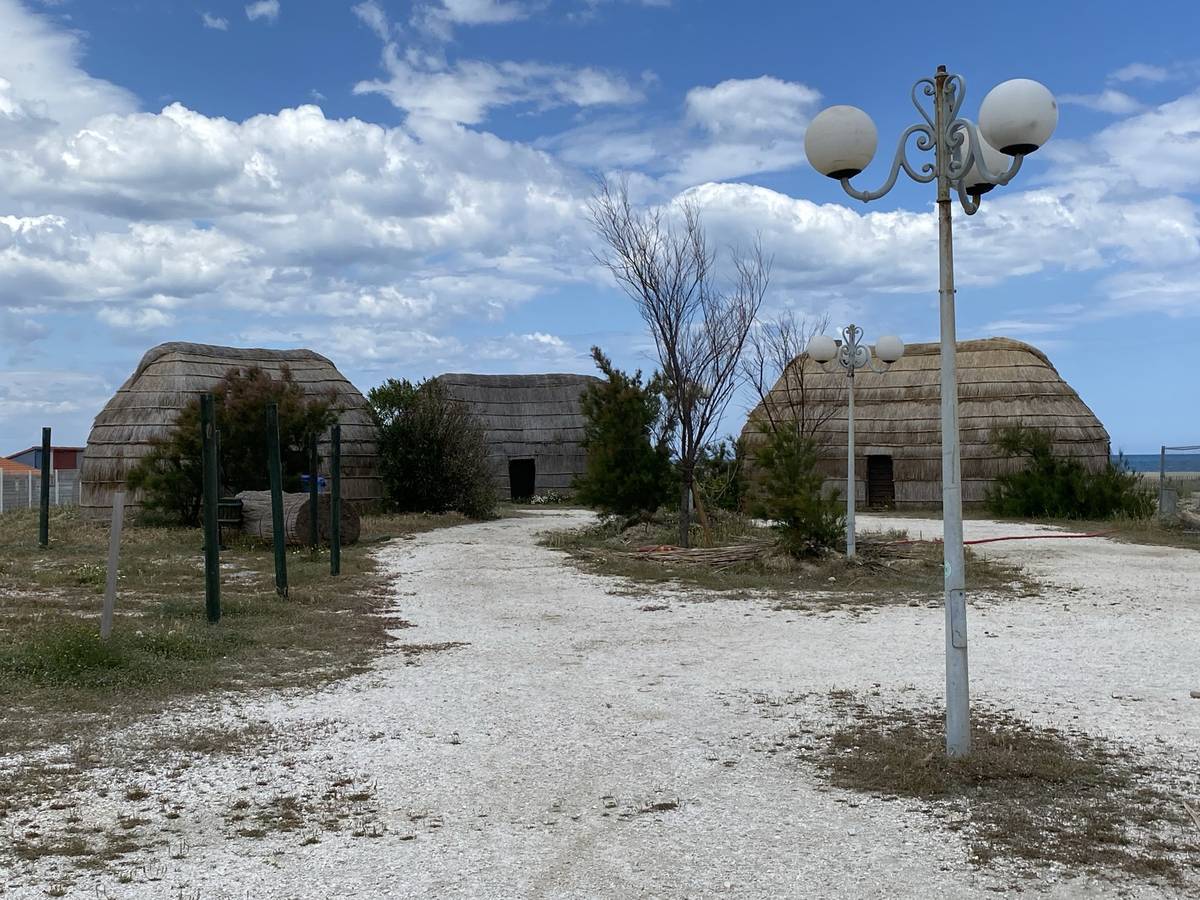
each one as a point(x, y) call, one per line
point(881, 485)
point(522, 478)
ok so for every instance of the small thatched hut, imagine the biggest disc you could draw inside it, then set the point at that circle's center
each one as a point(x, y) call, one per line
point(533, 426)
point(1002, 382)
point(170, 375)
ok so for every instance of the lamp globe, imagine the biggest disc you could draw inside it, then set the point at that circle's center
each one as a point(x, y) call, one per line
point(889, 348)
point(840, 142)
point(1018, 116)
point(822, 348)
point(974, 182)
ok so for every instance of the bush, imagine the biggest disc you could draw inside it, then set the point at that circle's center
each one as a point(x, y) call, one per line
point(171, 477)
point(719, 475)
point(629, 470)
point(1057, 487)
point(433, 456)
point(789, 492)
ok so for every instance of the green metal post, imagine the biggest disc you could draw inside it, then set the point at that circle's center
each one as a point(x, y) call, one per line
point(314, 532)
point(212, 545)
point(44, 516)
point(275, 471)
point(335, 501)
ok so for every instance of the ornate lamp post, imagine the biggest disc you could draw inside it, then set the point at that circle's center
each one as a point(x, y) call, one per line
point(851, 354)
point(1017, 117)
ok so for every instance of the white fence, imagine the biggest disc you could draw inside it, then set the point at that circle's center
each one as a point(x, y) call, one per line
point(24, 491)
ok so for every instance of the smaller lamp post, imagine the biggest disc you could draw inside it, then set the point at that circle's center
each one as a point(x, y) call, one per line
point(851, 354)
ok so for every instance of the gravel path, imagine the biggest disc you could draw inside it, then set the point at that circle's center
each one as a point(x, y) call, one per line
point(541, 758)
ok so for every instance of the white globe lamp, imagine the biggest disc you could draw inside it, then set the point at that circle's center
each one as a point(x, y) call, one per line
point(1018, 116)
point(840, 142)
point(974, 182)
point(822, 348)
point(889, 348)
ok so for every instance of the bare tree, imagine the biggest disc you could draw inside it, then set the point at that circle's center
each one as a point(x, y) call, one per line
point(699, 326)
point(773, 364)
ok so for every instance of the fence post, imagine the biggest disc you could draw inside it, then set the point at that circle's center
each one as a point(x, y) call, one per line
point(275, 471)
point(335, 501)
point(212, 539)
point(29, 484)
point(114, 552)
point(44, 511)
point(1, 490)
point(57, 502)
point(314, 533)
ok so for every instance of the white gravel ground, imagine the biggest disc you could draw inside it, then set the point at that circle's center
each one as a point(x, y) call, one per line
point(518, 765)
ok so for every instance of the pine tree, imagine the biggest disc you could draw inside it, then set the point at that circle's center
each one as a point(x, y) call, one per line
point(629, 470)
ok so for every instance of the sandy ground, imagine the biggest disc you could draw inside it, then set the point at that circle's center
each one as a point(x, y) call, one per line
point(519, 765)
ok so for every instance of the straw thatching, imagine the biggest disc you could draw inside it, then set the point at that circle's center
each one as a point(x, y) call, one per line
point(170, 375)
point(527, 417)
point(1002, 382)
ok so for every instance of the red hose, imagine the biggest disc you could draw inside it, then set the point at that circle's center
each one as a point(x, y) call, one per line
point(1012, 537)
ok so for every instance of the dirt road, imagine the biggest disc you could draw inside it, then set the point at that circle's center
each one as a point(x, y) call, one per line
point(553, 734)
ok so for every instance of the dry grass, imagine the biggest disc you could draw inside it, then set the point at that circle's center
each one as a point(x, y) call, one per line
point(883, 573)
point(1027, 796)
point(70, 683)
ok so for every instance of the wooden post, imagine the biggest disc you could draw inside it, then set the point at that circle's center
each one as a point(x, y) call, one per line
point(1, 490)
point(275, 471)
point(114, 552)
point(44, 511)
point(314, 531)
point(335, 501)
point(57, 500)
point(212, 540)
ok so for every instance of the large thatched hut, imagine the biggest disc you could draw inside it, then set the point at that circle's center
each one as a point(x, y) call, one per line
point(1002, 382)
point(170, 375)
point(533, 426)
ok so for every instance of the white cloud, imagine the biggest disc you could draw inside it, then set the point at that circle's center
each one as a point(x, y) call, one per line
point(468, 90)
point(439, 18)
point(1109, 101)
point(763, 107)
point(217, 23)
point(1140, 72)
point(373, 16)
point(267, 10)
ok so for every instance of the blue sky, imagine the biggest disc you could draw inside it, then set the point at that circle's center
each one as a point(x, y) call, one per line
point(401, 185)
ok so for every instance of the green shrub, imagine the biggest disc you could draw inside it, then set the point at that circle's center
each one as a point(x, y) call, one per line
point(433, 456)
point(171, 477)
point(719, 476)
point(629, 470)
point(789, 492)
point(1057, 487)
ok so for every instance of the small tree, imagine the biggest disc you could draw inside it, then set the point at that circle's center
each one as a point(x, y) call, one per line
point(1058, 487)
point(699, 325)
point(720, 474)
point(433, 454)
point(627, 438)
point(788, 492)
point(170, 476)
point(773, 365)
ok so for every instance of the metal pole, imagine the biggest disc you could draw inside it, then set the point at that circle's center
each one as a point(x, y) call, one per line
point(44, 510)
point(275, 473)
point(958, 713)
point(850, 486)
point(114, 550)
point(1162, 481)
point(212, 538)
point(335, 501)
point(314, 532)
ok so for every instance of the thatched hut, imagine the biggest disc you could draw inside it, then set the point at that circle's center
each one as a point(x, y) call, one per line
point(1002, 382)
point(533, 426)
point(170, 375)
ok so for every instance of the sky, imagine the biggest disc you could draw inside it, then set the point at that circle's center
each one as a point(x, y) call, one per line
point(402, 186)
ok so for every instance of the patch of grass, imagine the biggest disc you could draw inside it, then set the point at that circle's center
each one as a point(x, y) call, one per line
point(413, 652)
point(1025, 795)
point(68, 680)
point(883, 573)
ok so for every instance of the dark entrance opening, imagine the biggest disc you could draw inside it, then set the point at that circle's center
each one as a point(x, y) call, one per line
point(881, 486)
point(522, 475)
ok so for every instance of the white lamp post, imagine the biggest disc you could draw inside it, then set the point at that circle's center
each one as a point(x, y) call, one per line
point(851, 354)
point(1015, 119)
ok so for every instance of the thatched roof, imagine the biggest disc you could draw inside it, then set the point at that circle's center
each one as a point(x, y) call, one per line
point(170, 375)
point(523, 416)
point(1002, 382)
